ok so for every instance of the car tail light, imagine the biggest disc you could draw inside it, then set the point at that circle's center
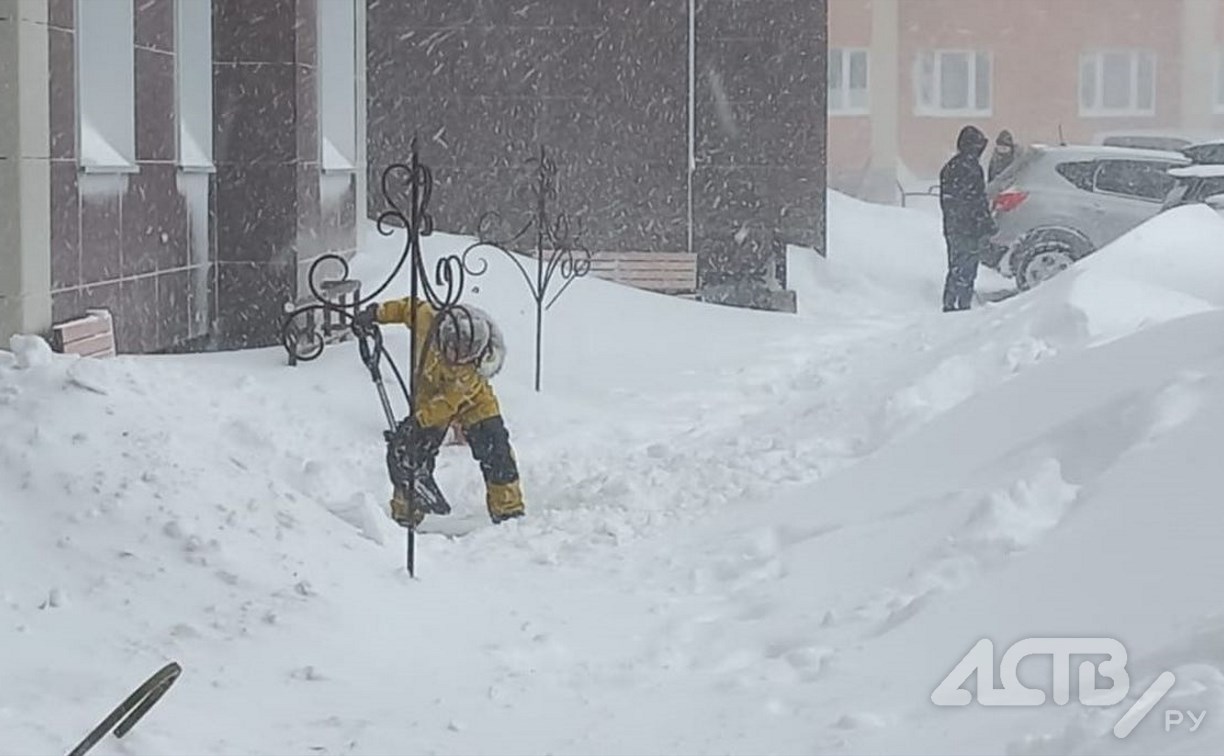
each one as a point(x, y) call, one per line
point(1009, 200)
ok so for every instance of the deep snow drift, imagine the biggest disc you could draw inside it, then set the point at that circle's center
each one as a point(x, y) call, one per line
point(747, 532)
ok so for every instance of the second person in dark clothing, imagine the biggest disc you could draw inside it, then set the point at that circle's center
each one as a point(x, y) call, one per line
point(967, 222)
point(1004, 155)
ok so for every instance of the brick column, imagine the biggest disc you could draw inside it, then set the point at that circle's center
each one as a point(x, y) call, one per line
point(1200, 19)
point(265, 136)
point(759, 181)
point(25, 166)
point(884, 81)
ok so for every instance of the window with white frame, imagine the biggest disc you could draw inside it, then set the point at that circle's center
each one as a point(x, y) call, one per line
point(848, 82)
point(193, 56)
point(953, 83)
point(1118, 82)
point(338, 84)
point(106, 89)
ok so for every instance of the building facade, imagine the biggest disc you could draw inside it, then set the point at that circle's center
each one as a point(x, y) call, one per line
point(177, 162)
point(905, 75)
point(677, 125)
point(181, 163)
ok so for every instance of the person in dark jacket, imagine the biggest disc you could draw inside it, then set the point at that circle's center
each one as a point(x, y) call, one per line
point(967, 222)
point(1004, 155)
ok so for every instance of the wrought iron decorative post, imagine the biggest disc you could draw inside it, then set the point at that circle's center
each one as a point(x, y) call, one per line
point(407, 189)
point(558, 250)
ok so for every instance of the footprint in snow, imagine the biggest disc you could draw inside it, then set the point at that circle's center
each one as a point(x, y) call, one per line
point(861, 720)
point(307, 673)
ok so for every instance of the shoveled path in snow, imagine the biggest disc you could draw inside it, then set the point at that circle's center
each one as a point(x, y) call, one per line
point(578, 629)
point(594, 623)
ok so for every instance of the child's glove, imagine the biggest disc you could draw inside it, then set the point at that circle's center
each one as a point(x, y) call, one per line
point(365, 319)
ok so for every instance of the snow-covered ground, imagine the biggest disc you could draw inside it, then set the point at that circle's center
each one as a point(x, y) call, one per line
point(747, 532)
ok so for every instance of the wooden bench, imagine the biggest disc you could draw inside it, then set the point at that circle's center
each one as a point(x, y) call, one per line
point(90, 336)
point(663, 272)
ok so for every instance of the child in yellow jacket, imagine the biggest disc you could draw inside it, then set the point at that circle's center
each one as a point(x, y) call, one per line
point(457, 354)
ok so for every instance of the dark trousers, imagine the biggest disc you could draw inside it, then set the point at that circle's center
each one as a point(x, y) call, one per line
point(963, 256)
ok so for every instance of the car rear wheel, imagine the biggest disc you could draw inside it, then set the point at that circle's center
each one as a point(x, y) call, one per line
point(1044, 260)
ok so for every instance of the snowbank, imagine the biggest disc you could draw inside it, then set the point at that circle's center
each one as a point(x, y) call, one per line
point(879, 256)
point(1168, 268)
point(1181, 250)
point(747, 532)
point(882, 259)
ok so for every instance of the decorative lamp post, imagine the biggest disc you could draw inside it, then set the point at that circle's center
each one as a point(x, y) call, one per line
point(557, 248)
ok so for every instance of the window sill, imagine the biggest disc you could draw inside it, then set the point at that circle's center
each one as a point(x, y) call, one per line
point(103, 169)
point(1117, 113)
point(335, 169)
point(197, 168)
point(935, 113)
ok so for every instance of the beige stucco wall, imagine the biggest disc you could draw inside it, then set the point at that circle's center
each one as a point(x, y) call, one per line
point(25, 197)
point(1200, 19)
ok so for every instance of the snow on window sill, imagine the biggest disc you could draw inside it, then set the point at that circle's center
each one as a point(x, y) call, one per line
point(964, 113)
point(88, 166)
point(330, 169)
point(193, 158)
point(1121, 113)
point(333, 160)
point(197, 168)
point(98, 155)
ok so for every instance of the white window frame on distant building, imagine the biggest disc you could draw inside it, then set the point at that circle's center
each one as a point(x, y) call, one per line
point(193, 84)
point(929, 68)
point(845, 97)
point(337, 73)
point(1092, 75)
point(106, 86)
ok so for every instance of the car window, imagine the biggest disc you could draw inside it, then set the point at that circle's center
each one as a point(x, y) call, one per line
point(1177, 194)
point(1079, 174)
point(1207, 187)
point(1211, 153)
point(1141, 179)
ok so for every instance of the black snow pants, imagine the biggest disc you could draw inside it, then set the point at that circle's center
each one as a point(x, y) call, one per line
point(963, 256)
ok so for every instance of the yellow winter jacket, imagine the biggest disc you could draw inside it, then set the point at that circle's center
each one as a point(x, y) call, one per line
point(444, 392)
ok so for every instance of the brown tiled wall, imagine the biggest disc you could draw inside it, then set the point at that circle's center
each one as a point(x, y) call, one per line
point(125, 242)
point(122, 242)
point(270, 217)
point(760, 121)
point(485, 82)
point(605, 85)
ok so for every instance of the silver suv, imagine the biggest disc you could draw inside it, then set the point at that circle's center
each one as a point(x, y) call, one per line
point(1056, 205)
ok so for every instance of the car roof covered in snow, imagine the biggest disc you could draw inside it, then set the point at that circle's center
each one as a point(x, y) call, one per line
point(1190, 137)
point(1206, 152)
point(1097, 152)
point(1198, 171)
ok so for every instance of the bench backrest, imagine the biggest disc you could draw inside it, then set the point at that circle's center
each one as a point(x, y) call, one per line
point(89, 336)
point(670, 272)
